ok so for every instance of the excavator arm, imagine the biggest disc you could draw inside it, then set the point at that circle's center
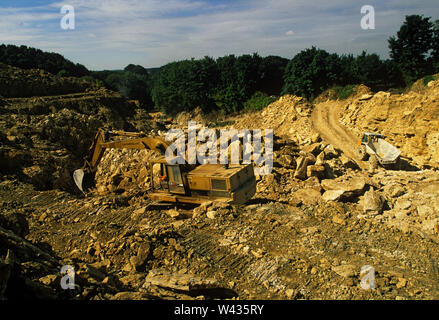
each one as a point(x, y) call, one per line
point(104, 140)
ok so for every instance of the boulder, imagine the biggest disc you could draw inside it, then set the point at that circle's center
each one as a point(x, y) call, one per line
point(332, 195)
point(315, 171)
point(302, 163)
point(307, 196)
point(181, 282)
point(348, 162)
point(346, 271)
point(314, 148)
point(351, 186)
point(373, 202)
point(285, 160)
point(330, 152)
point(320, 159)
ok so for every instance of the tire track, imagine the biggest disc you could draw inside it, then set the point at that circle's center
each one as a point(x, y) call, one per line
point(325, 120)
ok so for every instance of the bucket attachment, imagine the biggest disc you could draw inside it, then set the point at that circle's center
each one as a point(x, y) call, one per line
point(78, 177)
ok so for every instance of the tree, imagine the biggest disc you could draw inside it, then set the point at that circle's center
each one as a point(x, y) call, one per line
point(435, 46)
point(271, 71)
point(239, 78)
point(185, 85)
point(411, 46)
point(310, 72)
point(137, 69)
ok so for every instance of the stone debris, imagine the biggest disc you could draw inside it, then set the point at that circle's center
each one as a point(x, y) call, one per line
point(314, 221)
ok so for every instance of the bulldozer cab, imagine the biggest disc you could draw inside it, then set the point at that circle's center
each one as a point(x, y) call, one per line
point(168, 177)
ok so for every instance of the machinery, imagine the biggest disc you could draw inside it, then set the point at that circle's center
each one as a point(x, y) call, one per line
point(183, 183)
point(373, 145)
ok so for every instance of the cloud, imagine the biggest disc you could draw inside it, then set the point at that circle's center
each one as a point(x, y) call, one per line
point(113, 33)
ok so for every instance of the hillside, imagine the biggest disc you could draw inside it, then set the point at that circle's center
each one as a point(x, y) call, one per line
point(31, 58)
point(20, 83)
point(48, 122)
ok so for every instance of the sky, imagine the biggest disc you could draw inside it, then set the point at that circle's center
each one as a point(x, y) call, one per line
point(110, 34)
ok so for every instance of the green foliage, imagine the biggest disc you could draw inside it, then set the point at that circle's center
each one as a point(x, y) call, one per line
point(427, 79)
point(137, 70)
point(223, 85)
point(258, 101)
point(435, 47)
point(133, 82)
point(310, 72)
point(411, 47)
point(185, 85)
point(62, 73)
point(271, 71)
point(345, 92)
point(31, 58)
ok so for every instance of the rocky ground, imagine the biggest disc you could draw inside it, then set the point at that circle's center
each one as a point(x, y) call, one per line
point(313, 224)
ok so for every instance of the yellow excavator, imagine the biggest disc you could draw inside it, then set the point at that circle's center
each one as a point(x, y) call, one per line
point(178, 183)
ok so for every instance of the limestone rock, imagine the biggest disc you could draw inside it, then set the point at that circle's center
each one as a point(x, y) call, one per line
point(372, 202)
point(315, 171)
point(346, 271)
point(351, 186)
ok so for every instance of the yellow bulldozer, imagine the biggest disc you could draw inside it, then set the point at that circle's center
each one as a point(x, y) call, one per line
point(178, 183)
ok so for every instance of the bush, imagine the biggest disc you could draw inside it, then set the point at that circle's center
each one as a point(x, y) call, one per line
point(345, 92)
point(258, 102)
point(428, 78)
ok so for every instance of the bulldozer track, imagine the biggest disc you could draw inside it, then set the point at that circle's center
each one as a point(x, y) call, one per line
point(223, 258)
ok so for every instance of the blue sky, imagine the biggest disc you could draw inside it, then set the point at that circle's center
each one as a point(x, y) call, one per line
point(110, 34)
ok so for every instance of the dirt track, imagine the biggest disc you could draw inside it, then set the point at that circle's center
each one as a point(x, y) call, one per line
point(325, 120)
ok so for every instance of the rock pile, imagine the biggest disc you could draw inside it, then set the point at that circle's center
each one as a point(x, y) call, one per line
point(409, 120)
point(288, 117)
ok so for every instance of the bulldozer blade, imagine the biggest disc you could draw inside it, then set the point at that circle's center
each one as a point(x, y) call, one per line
point(78, 177)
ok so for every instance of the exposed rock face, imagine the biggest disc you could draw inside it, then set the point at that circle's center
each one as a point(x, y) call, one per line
point(409, 121)
point(45, 136)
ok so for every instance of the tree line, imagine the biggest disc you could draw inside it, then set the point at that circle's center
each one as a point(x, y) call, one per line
point(248, 82)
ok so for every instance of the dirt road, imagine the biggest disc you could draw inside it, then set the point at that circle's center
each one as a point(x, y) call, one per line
point(325, 120)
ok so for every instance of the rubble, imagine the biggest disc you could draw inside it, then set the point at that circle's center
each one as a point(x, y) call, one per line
point(409, 120)
point(312, 225)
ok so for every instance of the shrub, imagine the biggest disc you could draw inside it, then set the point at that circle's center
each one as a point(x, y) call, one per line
point(258, 101)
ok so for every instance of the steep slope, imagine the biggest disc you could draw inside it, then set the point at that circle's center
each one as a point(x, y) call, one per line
point(44, 137)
